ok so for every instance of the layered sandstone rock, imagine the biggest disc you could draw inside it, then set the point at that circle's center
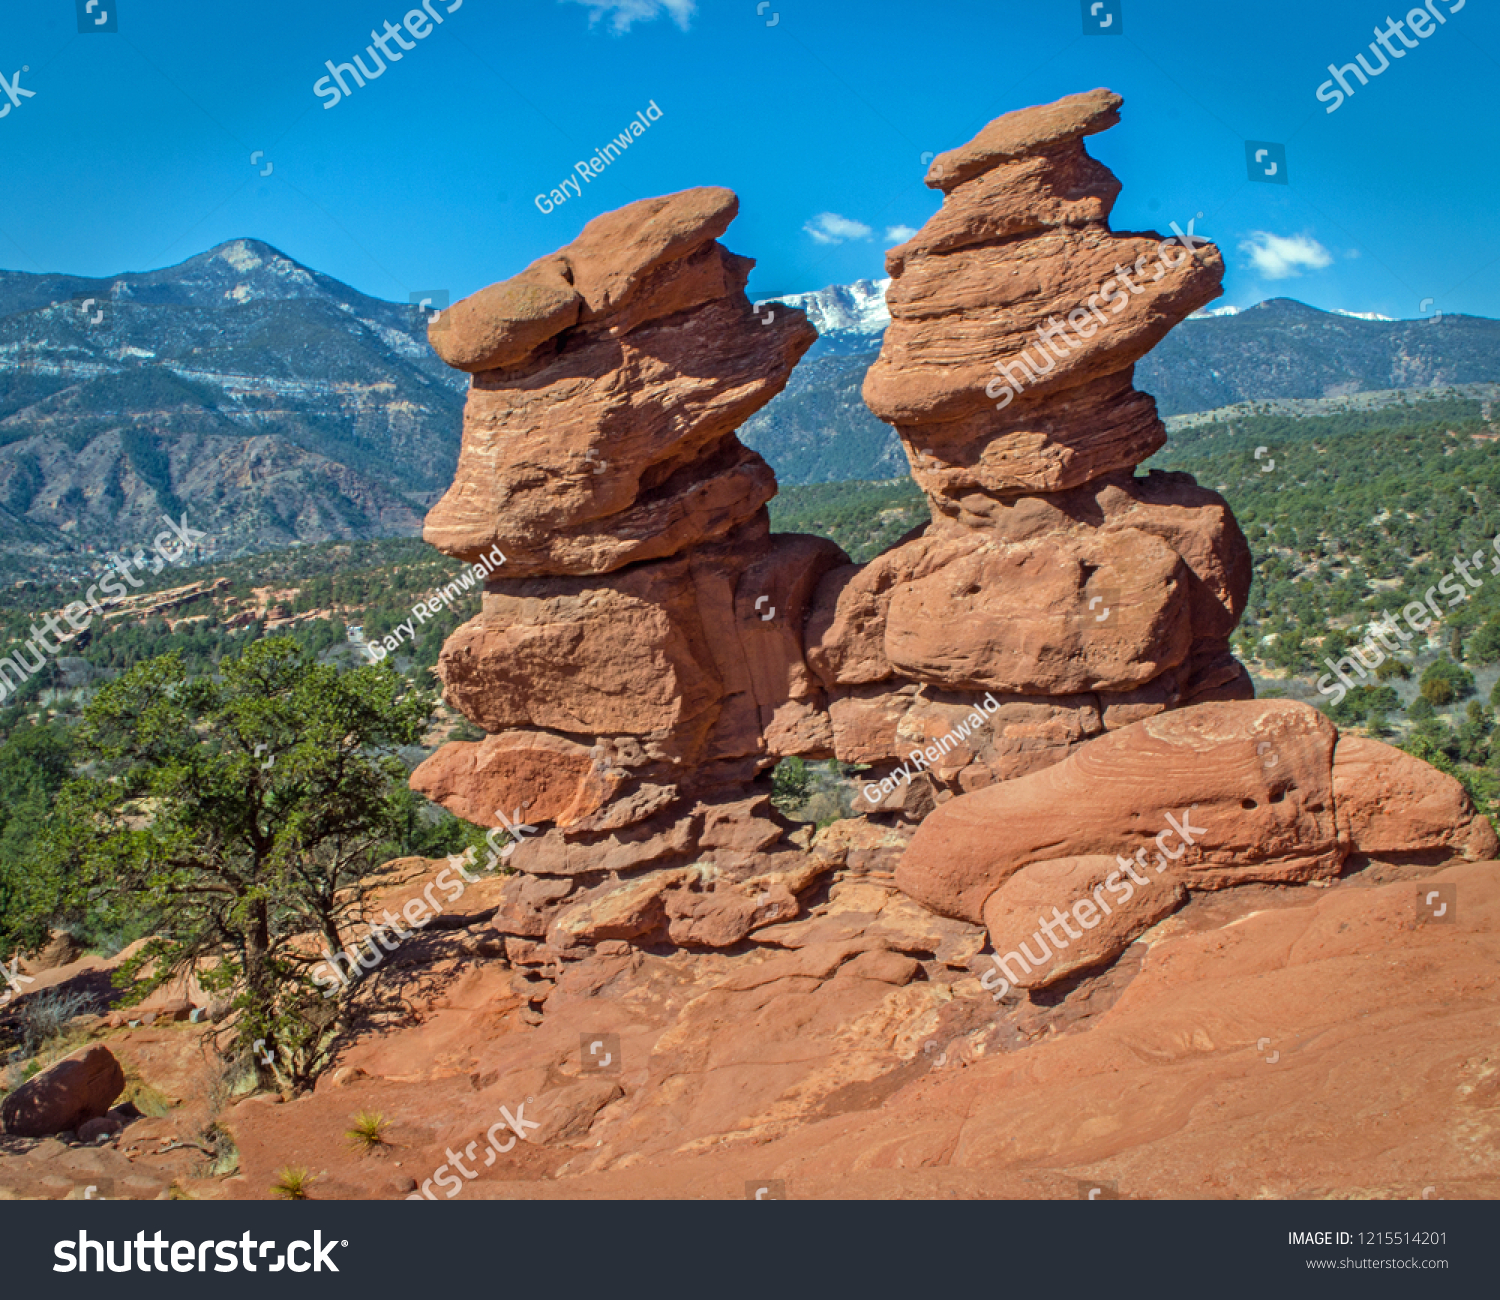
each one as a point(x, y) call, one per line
point(649, 650)
point(638, 660)
point(608, 381)
point(1020, 272)
point(1084, 598)
point(1198, 799)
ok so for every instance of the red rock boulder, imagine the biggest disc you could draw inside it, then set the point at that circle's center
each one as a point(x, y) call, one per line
point(78, 1088)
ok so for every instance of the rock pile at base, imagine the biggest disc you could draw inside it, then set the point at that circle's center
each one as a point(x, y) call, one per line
point(70, 1093)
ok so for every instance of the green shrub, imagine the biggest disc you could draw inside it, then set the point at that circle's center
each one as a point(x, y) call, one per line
point(368, 1132)
point(791, 784)
point(1484, 645)
point(1445, 681)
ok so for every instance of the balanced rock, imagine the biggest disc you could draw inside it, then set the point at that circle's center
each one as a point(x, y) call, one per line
point(1017, 290)
point(650, 650)
point(638, 659)
point(608, 380)
point(1082, 597)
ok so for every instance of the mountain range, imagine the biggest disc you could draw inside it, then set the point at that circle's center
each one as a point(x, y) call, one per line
point(849, 318)
point(274, 405)
point(269, 403)
point(819, 429)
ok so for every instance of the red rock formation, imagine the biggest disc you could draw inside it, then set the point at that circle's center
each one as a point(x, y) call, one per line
point(1199, 799)
point(648, 648)
point(78, 1088)
point(840, 1054)
point(849, 1039)
point(1082, 597)
point(854, 1053)
point(638, 659)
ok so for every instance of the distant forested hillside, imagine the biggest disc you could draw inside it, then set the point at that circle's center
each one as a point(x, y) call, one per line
point(1348, 517)
point(863, 518)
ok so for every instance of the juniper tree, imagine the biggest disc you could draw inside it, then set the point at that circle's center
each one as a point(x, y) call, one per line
point(237, 813)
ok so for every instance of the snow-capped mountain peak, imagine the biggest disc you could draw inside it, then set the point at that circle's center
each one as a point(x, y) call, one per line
point(848, 309)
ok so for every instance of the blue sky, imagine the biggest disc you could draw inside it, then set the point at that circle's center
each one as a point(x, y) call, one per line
point(132, 150)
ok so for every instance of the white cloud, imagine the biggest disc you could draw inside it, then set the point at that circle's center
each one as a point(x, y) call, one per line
point(830, 228)
point(1278, 257)
point(622, 13)
point(899, 234)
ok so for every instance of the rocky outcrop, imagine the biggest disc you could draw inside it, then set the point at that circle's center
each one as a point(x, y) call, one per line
point(1198, 799)
point(608, 380)
point(648, 650)
point(853, 1052)
point(1018, 290)
point(1388, 802)
point(638, 660)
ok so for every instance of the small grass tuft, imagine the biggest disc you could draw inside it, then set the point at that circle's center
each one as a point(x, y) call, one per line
point(368, 1133)
point(291, 1184)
